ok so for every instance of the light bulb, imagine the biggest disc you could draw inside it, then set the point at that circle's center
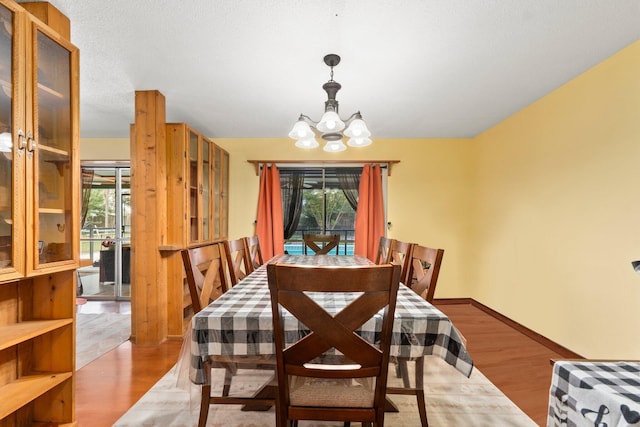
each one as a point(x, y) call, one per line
point(334, 146)
point(301, 130)
point(330, 122)
point(307, 143)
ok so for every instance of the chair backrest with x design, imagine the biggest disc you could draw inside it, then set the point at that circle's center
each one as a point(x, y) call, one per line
point(400, 254)
point(237, 260)
point(254, 251)
point(204, 268)
point(321, 244)
point(315, 383)
point(384, 250)
point(424, 269)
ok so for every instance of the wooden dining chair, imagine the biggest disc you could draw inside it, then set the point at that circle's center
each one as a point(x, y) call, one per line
point(384, 250)
point(422, 277)
point(255, 253)
point(400, 254)
point(238, 262)
point(321, 244)
point(424, 269)
point(206, 279)
point(315, 383)
point(204, 269)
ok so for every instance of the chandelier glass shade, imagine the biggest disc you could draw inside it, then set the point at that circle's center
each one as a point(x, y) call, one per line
point(331, 127)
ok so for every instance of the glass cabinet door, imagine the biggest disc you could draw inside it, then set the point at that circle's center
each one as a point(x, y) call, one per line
point(206, 189)
point(50, 142)
point(224, 206)
point(194, 205)
point(217, 190)
point(6, 138)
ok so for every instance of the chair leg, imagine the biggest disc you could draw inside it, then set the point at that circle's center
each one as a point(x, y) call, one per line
point(228, 375)
point(204, 405)
point(422, 407)
point(404, 372)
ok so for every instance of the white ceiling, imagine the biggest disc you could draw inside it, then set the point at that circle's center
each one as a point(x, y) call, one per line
point(414, 68)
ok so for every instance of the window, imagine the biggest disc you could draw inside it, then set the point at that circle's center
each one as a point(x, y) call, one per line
point(319, 201)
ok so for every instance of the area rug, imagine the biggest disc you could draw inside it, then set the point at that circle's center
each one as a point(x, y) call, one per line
point(452, 400)
point(98, 333)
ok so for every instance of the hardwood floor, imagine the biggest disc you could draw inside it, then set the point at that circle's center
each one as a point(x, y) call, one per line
point(514, 362)
point(518, 365)
point(107, 387)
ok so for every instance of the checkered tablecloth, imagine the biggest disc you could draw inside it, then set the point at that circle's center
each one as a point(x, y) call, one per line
point(594, 394)
point(239, 322)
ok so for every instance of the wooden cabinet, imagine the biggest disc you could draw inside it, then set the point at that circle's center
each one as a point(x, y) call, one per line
point(197, 186)
point(220, 191)
point(39, 214)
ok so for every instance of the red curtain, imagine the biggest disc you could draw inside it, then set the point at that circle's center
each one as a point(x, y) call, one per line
point(270, 223)
point(370, 212)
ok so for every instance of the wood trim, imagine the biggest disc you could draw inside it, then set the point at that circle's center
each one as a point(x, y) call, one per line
point(49, 15)
point(551, 345)
point(384, 163)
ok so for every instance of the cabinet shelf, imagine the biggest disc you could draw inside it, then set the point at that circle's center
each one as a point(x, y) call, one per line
point(63, 154)
point(50, 93)
point(51, 211)
point(28, 388)
point(17, 333)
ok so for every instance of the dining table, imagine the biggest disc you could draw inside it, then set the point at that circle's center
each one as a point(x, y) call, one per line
point(594, 393)
point(239, 322)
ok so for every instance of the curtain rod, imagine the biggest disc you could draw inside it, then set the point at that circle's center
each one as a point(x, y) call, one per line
point(383, 163)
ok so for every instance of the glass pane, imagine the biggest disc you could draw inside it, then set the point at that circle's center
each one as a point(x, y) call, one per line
point(106, 232)
point(225, 200)
point(216, 193)
point(6, 140)
point(193, 187)
point(325, 208)
point(53, 137)
point(206, 189)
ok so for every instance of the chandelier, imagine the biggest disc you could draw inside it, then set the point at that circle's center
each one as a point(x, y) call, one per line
point(330, 127)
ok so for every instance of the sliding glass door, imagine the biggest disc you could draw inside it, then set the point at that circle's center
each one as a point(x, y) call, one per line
point(105, 251)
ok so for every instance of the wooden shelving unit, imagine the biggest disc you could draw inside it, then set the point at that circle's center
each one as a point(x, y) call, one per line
point(39, 218)
point(197, 186)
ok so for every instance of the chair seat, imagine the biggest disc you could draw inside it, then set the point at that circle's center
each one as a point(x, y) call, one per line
point(338, 393)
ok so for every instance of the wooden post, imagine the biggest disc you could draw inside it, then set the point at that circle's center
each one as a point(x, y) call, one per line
point(149, 225)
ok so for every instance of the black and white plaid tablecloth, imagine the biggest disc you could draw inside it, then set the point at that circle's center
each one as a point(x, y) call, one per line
point(594, 394)
point(239, 322)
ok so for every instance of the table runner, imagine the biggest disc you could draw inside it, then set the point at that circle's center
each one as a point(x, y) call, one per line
point(239, 323)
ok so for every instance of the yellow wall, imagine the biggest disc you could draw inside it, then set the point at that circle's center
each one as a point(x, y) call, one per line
point(557, 209)
point(104, 149)
point(537, 215)
point(428, 192)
